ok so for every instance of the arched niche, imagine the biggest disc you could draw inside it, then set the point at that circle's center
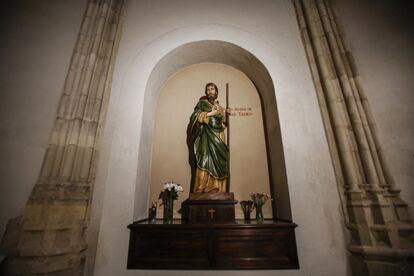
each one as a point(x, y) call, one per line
point(213, 51)
point(172, 155)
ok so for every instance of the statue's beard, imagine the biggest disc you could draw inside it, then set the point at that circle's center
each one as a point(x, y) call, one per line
point(212, 98)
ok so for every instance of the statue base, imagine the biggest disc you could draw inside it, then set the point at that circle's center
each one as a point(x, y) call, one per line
point(209, 208)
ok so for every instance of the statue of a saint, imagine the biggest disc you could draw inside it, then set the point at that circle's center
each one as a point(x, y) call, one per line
point(207, 125)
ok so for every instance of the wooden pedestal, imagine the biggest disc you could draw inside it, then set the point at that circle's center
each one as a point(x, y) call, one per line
point(239, 245)
point(209, 208)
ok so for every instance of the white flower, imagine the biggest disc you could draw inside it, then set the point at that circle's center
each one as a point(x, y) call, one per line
point(168, 186)
point(172, 186)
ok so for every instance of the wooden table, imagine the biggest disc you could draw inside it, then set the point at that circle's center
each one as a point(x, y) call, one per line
point(240, 245)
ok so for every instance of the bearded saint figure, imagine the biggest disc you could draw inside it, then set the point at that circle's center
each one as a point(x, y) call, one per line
point(207, 125)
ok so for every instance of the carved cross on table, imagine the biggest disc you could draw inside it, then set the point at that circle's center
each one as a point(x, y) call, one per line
point(211, 212)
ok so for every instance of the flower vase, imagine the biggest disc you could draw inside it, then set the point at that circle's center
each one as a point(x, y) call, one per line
point(168, 209)
point(247, 207)
point(259, 212)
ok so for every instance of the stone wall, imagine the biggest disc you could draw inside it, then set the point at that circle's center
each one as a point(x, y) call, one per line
point(35, 56)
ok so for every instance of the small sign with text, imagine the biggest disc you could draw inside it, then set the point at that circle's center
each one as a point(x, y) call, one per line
point(241, 111)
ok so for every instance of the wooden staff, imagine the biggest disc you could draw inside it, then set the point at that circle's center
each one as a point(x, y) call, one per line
point(228, 135)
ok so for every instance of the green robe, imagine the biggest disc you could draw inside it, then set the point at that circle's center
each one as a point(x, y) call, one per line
point(211, 152)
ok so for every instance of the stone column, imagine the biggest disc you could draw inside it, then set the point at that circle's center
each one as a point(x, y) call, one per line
point(381, 230)
point(49, 238)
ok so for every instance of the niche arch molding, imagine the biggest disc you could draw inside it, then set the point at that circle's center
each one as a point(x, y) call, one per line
point(217, 51)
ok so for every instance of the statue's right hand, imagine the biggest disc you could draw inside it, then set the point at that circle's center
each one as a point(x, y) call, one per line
point(212, 113)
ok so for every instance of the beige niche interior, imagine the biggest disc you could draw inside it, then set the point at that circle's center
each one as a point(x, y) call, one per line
point(170, 155)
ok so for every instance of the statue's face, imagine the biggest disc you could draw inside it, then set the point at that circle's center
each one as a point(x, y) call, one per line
point(211, 91)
